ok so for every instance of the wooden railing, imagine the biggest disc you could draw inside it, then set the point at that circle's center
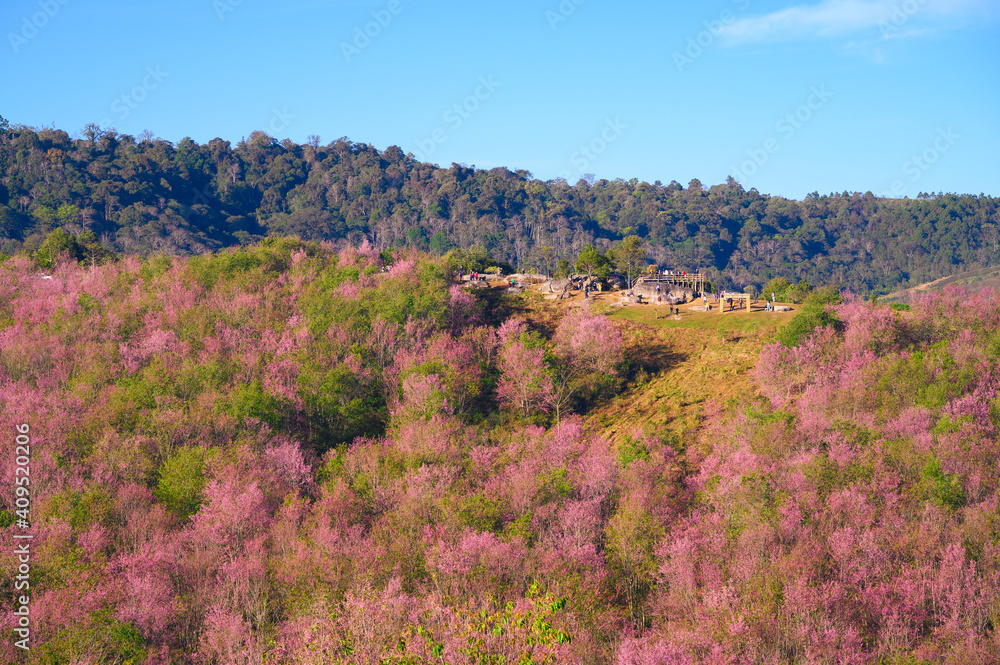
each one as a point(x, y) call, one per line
point(672, 278)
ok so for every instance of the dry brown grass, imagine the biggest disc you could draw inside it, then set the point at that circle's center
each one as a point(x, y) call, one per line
point(678, 363)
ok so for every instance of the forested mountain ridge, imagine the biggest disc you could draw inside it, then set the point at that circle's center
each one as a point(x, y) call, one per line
point(146, 195)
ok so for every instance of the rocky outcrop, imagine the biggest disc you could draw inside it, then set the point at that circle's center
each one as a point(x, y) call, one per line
point(670, 293)
point(556, 285)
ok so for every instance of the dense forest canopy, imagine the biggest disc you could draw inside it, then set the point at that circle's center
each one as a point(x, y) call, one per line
point(145, 195)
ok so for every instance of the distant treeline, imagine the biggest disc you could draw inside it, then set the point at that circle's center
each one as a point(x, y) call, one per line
point(146, 195)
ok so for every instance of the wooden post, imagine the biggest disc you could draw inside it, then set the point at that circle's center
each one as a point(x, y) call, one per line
point(743, 298)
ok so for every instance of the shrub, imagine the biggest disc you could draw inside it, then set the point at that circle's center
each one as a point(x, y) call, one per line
point(181, 481)
point(815, 314)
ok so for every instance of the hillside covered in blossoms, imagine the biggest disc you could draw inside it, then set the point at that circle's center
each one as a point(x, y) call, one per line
point(294, 452)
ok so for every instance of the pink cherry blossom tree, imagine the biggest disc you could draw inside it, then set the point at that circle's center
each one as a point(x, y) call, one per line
point(525, 382)
point(588, 351)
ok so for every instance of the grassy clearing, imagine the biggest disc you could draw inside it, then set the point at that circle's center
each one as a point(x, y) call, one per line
point(680, 362)
point(712, 359)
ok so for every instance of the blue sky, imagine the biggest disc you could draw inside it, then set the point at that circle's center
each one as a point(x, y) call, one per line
point(892, 96)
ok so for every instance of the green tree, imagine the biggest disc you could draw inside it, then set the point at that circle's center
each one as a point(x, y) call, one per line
point(85, 247)
point(45, 218)
point(799, 292)
point(779, 287)
point(814, 314)
point(592, 262)
point(90, 249)
point(944, 489)
point(475, 258)
point(416, 237)
point(629, 254)
point(440, 243)
point(67, 214)
point(181, 481)
point(55, 243)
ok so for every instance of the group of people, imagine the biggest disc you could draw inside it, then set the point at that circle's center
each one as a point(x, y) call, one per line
point(474, 276)
point(589, 288)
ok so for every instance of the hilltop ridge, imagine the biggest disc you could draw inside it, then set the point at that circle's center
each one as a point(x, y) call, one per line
point(150, 196)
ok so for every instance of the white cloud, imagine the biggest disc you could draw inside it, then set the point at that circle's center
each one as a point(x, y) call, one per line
point(840, 17)
point(871, 49)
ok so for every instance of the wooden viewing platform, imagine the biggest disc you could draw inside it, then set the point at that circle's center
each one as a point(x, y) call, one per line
point(696, 281)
